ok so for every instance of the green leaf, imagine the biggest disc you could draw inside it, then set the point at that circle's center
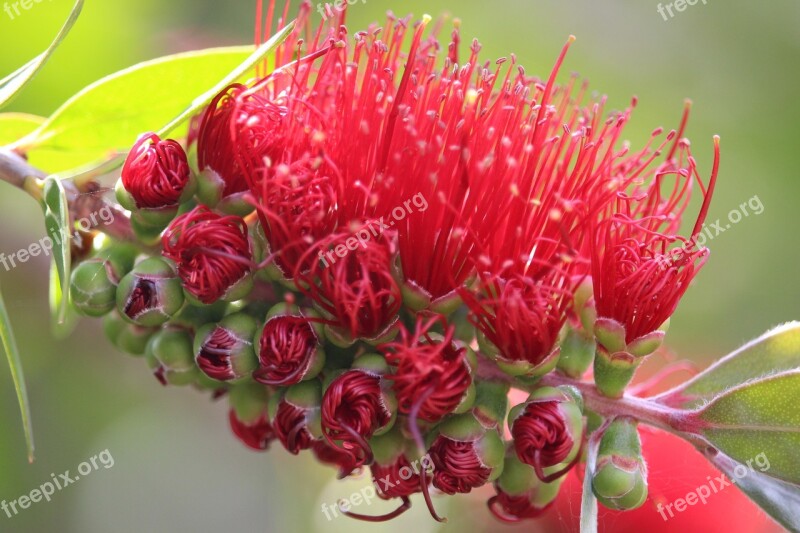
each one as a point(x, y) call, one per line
point(755, 419)
point(15, 126)
point(12, 353)
point(11, 85)
point(106, 117)
point(60, 329)
point(777, 498)
point(56, 221)
point(776, 351)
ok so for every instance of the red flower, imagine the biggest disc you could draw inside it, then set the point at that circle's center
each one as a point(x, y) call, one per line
point(641, 268)
point(431, 376)
point(291, 427)
point(522, 317)
point(353, 409)
point(211, 251)
point(459, 468)
point(155, 172)
point(237, 132)
point(357, 293)
point(541, 435)
point(288, 346)
point(255, 435)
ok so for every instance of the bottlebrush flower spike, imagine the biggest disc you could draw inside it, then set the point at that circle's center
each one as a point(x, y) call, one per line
point(155, 175)
point(432, 376)
point(356, 406)
point(212, 253)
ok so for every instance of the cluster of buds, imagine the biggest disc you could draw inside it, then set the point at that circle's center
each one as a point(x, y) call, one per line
point(546, 248)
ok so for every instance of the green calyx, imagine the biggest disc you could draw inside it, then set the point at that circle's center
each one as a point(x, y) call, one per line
point(620, 477)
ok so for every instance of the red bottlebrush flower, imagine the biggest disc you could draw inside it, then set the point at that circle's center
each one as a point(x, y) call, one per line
point(641, 268)
point(291, 427)
point(354, 408)
point(256, 435)
point(513, 509)
point(212, 252)
point(459, 468)
point(431, 376)
point(345, 461)
point(156, 172)
point(521, 317)
point(288, 347)
point(237, 134)
point(356, 291)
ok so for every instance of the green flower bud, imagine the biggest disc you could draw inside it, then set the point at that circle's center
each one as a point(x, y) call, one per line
point(169, 354)
point(129, 338)
point(577, 353)
point(93, 288)
point(620, 475)
point(151, 294)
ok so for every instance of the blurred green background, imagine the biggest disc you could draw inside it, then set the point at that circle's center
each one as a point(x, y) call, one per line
point(176, 466)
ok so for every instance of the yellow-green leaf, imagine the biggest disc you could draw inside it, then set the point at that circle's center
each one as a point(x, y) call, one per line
point(15, 126)
point(12, 84)
point(56, 221)
point(104, 119)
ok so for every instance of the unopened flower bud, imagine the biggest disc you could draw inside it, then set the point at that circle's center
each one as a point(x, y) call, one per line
point(93, 288)
point(151, 294)
point(129, 338)
point(548, 432)
point(289, 347)
point(521, 495)
point(620, 476)
point(249, 418)
point(212, 254)
point(224, 351)
point(169, 354)
point(297, 416)
point(357, 405)
point(466, 454)
point(155, 179)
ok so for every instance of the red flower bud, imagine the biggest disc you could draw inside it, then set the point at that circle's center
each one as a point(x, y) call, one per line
point(344, 460)
point(297, 418)
point(224, 351)
point(288, 351)
point(459, 469)
point(212, 253)
point(547, 431)
point(354, 408)
point(513, 509)
point(156, 172)
point(255, 435)
point(432, 375)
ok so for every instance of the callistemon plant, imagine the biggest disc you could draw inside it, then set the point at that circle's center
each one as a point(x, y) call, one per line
point(374, 242)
